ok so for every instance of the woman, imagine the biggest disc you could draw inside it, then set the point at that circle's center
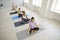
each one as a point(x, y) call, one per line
point(19, 13)
point(32, 25)
point(13, 6)
point(24, 16)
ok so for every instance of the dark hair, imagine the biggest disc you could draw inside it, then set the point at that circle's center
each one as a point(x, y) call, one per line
point(1, 5)
point(32, 18)
point(19, 8)
point(23, 11)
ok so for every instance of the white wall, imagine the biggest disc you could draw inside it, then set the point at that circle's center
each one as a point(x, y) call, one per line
point(44, 10)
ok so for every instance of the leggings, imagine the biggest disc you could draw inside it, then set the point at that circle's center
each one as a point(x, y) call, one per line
point(20, 15)
point(25, 19)
point(36, 29)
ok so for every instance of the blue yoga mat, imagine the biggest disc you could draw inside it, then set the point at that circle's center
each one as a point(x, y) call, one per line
point(15, 17)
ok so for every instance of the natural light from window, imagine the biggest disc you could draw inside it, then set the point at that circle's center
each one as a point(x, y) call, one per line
point(56, 6)
point(26, 1)
point(37, 3)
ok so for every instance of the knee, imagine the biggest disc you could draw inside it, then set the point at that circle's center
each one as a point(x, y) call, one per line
point(37, 29)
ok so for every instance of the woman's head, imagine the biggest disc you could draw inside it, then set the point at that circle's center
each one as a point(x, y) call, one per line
point(32, 19)
point(23, 12)
point(18, 8)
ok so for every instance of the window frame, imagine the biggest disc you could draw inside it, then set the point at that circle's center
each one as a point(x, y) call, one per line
point(34, 3)
point(26, 1)
point(53, 8)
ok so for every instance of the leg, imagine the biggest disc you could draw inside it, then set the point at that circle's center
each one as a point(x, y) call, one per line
point(36, 28)
point(30, 31)
point(16, 12)
point(33, 30)
point(20, 15)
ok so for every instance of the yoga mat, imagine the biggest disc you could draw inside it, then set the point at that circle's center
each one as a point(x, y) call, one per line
point(20, 23)
point(23, 34)
point(13, 13)
point(15, 17)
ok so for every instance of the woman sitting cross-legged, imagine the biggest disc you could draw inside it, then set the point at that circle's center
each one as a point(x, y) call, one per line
point(24, 17)
point(19, 12)
point(33, 26)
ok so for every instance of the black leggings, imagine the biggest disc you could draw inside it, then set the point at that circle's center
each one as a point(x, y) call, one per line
point(25, 19)
point(36, 29)
point(20, 15)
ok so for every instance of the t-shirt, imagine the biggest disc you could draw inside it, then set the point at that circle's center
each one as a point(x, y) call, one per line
point(24, 17)
point(32, 25)
point(19, 12)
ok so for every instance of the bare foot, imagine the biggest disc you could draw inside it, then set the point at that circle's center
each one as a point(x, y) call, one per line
point(33, 31)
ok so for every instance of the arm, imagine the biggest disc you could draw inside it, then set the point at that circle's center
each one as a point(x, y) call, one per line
point(36, 24)
point(29, 27)
point(26, 16)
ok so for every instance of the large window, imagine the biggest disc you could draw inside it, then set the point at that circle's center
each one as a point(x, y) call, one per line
point(26, 1)
point(37, 3)
point(56, 6)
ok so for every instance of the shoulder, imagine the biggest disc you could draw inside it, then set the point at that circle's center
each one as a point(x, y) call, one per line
point(30, 22)
point(35, 22)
